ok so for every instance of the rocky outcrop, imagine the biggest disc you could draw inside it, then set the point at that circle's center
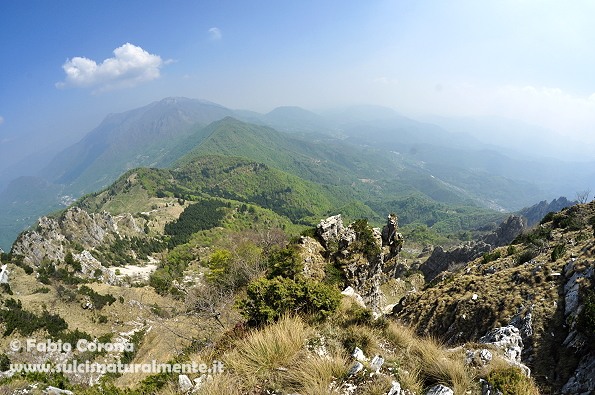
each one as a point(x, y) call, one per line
point(51, 238)
point(4, 274)
point(535, 213)
point(359, 250)
point(391, 238)
point(508, 340)
point(330, 230)
point(582, 381)
point(440, 389)
point(441, 260)
point(312, 255)
point(506, 232)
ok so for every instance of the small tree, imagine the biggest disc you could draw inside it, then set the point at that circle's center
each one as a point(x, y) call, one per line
point(583, 196)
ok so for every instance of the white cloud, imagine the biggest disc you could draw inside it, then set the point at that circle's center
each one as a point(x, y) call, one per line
point(1, 119)
point(215, 33)
point(130, 66)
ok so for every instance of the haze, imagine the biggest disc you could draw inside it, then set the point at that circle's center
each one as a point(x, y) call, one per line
point(67, 64)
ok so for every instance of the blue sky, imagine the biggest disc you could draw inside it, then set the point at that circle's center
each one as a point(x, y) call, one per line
point(66, 64)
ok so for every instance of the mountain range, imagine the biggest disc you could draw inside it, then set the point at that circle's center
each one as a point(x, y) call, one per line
point(370, 154)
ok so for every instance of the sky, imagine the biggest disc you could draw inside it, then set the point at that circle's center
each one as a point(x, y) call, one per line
point(66, 64)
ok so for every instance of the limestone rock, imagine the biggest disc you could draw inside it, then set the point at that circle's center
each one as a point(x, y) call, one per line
point(330, 229)
point(184, 383)
point(441, 260)
point(312, 255)
point(390, 236)
point(506, 232)
point(582, 381)
point(4, 274)
point(440, 390)
point(508, 339)
point(57, 391)
point(47, 241)
point(395, 389)
point(349, 291)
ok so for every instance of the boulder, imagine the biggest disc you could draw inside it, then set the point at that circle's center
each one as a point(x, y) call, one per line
point(440, 390)
point(184, 383)
point(4, 274)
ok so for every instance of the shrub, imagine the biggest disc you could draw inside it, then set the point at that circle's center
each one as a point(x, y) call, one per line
point(4, 362)
point(285, 263)
point(98, 300)
point(491, 256)
point(269, 299)
point(526, 256)
point(15, 317)
point(558, 252)
point(365, 242)
point(511, 381)
point(6, 288)
point(586, 318)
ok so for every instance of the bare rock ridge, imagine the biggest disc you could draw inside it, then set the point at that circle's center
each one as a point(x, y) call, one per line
point(76, 230)
point(441, 260)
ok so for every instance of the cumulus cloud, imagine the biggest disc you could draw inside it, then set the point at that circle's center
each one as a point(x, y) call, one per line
point(215, 33)
point(130, 66)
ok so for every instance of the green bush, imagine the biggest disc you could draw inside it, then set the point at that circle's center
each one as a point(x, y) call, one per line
point(285, 262)
point(98, 300)
point(269, 299)
point(365, 241)
point(526, 256)
point(511, 381)
point(491, 256)
point(16, 318)
point(558, 252)
point(4, 362)
point(586, 318)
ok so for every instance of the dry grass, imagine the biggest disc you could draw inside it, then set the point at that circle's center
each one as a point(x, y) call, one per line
point(314, 375)
point(433, 361)
point(259, 357)
point(223, 384)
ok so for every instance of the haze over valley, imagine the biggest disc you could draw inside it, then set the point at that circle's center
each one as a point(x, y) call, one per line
point(352, 198)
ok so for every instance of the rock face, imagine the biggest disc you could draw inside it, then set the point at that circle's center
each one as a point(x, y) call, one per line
point(391, 238)
point(535, 213)
point(506, 232)
point(359, 250)
point(441, 260)
point(89, 231)
point(330, 230)
point(582, 381)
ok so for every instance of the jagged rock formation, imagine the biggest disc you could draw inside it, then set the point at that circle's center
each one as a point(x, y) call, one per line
point(441, 259)
point(76, 230)
point(391, 238)
point(535, 213)
point(89, 231)
point(360, 252)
